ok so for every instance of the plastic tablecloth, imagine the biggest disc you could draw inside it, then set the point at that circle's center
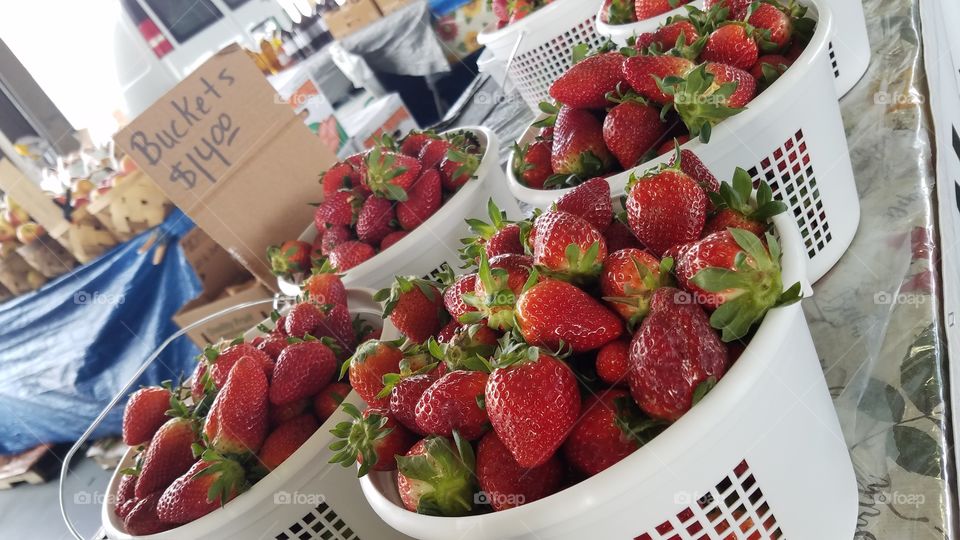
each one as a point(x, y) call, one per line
point(68, 348)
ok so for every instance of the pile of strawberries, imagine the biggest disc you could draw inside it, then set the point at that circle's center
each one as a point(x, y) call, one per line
point(511, 11)
point(617, 109)
point(373, 199)
point(246, 409)
point(631, 11)
point(580, 335)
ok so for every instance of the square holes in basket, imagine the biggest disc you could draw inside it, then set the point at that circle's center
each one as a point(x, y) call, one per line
point(789, 172)
point(833, 60)
point(735, 509)
point(321, 522)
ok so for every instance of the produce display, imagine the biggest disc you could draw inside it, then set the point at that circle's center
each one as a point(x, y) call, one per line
point(511, 11)
point(577, 337)
point(248, 406)
point(631, 11)
point(373, 199)
point(616, 109)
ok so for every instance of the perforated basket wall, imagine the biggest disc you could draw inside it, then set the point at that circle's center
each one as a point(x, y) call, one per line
point(321, 522)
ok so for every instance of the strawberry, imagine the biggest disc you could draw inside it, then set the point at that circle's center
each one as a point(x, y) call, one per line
point(532, 164)
point(453, 296)
point(506, 484)
point(145, 412)
point(578, 147)
point(425, 198)
point(775, 27)
point(341, 175)
point(283, 441)
point(271, 345)
point(769, 68)
point(458, 167)
point(340, 208)
point(414, 141)
point(710, 93)
point(555, 314)
point(631, 129)
point(278, 414)
point(329, 399)
point(589, 201)
point(665, 208)
point(404, 393)
point(619, 236)
point(168, 456)
point(500, 281)
point(568, 245)
point(691, 164)
point(470, 347)
point(303, 319)
point(303, 369)
point(350, 254)
point(628, 280)
point(372, 439)
point(290, 257)
point(453, 403)
point(414, 306)
point(237, 421)
point(142, 518)
point(642, 72)
point(199, 383)
point(669, 35)
point(501, 9)
point(520, 9)
point(392, 239)
point(221, 362)
point(533, 402)
point(587, 83)
point(618, 12)
point(325, 287)
point(376, 220)
point(675, 356)
point(498, 237)
point(670, 146)
point(735, 209)
point(433, 152)
point(436, 477)
point(371, 361)
point(390, 174)
point(733, 45)
point(613, 362)
point(448, 331)
point(646, 9)
point(207, 486)
point(333, 236)
point(125, 495)
point(338, 327)
point(643, 42)
point(737, 9)
point(357, 160)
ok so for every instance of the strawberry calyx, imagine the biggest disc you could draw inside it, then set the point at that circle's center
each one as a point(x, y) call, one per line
point(550, 112)
point(381, 169)
point(442, 477)
point(586, 165)
point(581, 266)
point(483, 231)
point(358, 437)
point(699, 101)
point(407, 370)
point(749, 291)
point(464, 351)
point(404, 285)
point(230, 476)
point(639, 298)
point(366, 350)
point(736, 197)
point(497, 306)
point(620, 12)
point(633, 423)
point(283, 262)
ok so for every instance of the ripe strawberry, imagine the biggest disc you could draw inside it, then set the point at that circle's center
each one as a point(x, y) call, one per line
point(278, 414)
point(646, 9)
point(532, 164)
point(533, 402)
point(589, 201)
point(125, 495)
point(290, 257)
point(145, 412)
point(333, 236)
point(733, 45)
point(340, 208)
point(303, 369)
point(710, 93)
point(425, 198)
point(390, 174)
point(643, 42)
point(338, 327)
point(618, 12)
point(373, 439)
point(221, 362)
point(501, 9)
point(375, 221)
point(436, 477)
point(498, 237)
point(768, 18)
point(769, 68)
point(325, 288)
point(199, 384)
point(666, 208)
point(405, 395)
point(691, 164)
point(674, 356)
point(272, 346)
point(414, 141)
point(237, 421)
point(668, 35)
point(329, 399)
point(341, 176)
point(736, 210)
point(619, 236)
point(458, 167)
point(207, 486)
point(555, 314)
point(283, 441)
point(452, 403)
point(507, 484)
point(368, 365)
point(303, 319)
point(569, 245)
point(433, 152)
point(737, 9)
point(467, 344)
point(168, 456)
point(744, 84)
point(628, 280)
point(447, 332)
point(578, 147)
point(587, 83)
point(500, 281)
point(350, 254)
point(142, 518)
point(643, 71)
point(392, 239)
point(613, 362)
point(453, 296)
point(631, 129)
point(670, 146)
point(414, 306)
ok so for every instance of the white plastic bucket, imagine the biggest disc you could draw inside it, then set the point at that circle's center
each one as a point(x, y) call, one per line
point(620, 33)
point(792, 136)
point(546, 38)
point(762, 456)
point(849, 47)
point(437, 240)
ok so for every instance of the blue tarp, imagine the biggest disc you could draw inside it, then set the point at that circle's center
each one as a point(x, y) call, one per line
point(443, 7)
point(68, 348)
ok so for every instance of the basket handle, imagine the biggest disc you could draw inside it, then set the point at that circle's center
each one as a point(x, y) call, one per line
point(513, 54)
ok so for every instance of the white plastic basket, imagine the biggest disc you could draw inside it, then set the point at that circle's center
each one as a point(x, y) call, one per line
point(761, 457)
point(792, 136)
point(849, 46)
point(620, 33)
point(437, 240)
point(540, 45)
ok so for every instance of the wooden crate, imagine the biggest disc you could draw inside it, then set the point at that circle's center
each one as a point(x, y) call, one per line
point(15, 275)
point(35, 466)
point(134, 205)
point(47, 256)
point(86, 237)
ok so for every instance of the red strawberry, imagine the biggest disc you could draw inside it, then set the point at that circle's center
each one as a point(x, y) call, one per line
point(451, 403)
point(198, 381)
point(496, 237)
point(646, 9)
point(373, 439)
point(325, 288)
point(733, 45)
point(578, 147)
point(303, 369)
point(436, 477)
point(694, 168)
point(414, 306)
point(333, 236)
point(710, 93)
point(644, 41)
point(390, 174)
point(425, 198)
point(555, 312)
point(290, 257)
point(368, 365)
point(340, 208)
point(628, 280)
point(338, 326)
point(341, 175)
point(433, 152)
point(589, 201)
point(446, 334)
point(278, 414)
point(768, 69)
point(303, 319)
point(125, 495)
point(619, 236)
point(392, 239)
point(556, 232)
point(168, 456)
point(670, 146)
point(500, 281)
point(631, 129)
point(745, 84)
point(142, 518)
point(453, 296)
point(587, 83)
point(469, 343)
point(221, 362)
point(282, 442)
point(532, 164)
point(770, 18)
point(414, 142)
point(272, 345)
point(613, 362)
point(642, 71)
point(329, 399)
point(665, 209)
point(674, 353)
point(668, 35)
point(207, 486)
point(533, 402)
point(506, 484)
point(607, 432)
point(237, 421)
point(618, 12)
point(405, 395)
point(736, 210)
point(350, 254)
point(356, 160)
point(737, 8)
point(375, 221)
point(145, 412)
point(458, 167)
point(501, 9)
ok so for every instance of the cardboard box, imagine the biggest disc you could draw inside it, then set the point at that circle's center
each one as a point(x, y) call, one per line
point(215, 268)
point(352, 16)
point(389, 6)
point(228, 326)
point(387, 114)
point(233, 156)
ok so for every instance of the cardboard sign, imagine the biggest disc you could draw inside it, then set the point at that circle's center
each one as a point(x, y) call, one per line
point(233, 156)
